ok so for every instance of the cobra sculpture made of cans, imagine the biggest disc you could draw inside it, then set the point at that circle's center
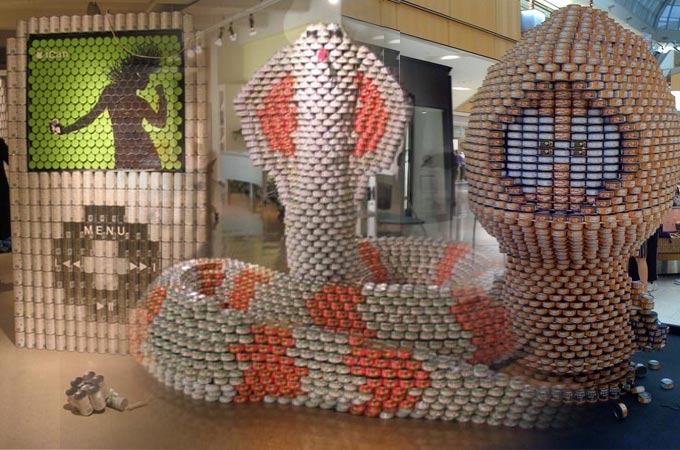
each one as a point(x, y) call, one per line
point(378, 327)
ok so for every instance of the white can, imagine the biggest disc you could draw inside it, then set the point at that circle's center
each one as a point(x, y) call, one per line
point(76, 23)
point(61, 343)
point(40, 341)
point(65, 24)
point(59, 327)
point(102, 345)
point(166, 20)
point(154, 21)
point(83, 403)
point(33, 25)
point(87, 23)
point(20, 339)
point(98, 22)
point(30, 340)
point(70, 328)
point(71, 343)
point(44, 25)
point(119, 21)
point(50, 342)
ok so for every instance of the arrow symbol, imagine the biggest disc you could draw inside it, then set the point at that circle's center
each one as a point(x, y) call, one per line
point(99, 306)
point(132, 266)
point(67, 263)
point(77, 264)
point(142, 266)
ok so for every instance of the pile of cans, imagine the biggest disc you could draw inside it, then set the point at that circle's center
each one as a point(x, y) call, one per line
point(89, 394)
point(650, 333)
point(321, 117)
point(564, 155)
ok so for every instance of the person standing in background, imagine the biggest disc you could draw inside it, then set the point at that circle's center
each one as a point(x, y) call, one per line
point(460, 162)
point(642, 267)
point(5, 224)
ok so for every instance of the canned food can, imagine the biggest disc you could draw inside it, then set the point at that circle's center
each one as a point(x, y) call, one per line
point(644, 397)
point(83, 403)
point(96, 397)
point(667, 383)
point(71, 343)
point(117, 402)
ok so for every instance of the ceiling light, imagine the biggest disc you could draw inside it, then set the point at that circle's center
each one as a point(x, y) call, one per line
point(251, 22)
point(218, 41)
point(460, 88)
point(449, 57)
point(232, 35)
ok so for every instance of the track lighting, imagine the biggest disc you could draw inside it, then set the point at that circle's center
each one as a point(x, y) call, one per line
point(251, 22)
point(218, 41)
point(232, 35)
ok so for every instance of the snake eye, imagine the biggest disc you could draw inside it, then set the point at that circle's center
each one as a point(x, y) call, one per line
point(312, 34)
point(338, 33)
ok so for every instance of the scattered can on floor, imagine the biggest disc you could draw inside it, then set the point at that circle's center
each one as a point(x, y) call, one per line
point(645, 397)
point(667, 383)
point(620, 411)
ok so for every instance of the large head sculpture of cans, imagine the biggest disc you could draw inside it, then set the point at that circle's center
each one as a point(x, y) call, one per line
point(573, 152)
point(377, 327)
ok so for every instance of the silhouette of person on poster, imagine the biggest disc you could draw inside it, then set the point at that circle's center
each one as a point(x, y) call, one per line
point(133, 146)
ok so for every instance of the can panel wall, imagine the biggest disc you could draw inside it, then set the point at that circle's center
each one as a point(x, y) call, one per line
point(90, 242)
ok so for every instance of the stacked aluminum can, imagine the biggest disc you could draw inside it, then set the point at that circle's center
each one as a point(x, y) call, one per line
point(86, 243)
point(573, 155)
point(227, 331)
point(322, 116)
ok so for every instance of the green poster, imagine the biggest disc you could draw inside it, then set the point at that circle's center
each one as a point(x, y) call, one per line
point(98, 101)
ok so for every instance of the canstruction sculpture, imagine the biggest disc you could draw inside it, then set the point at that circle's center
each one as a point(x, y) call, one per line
point(574, 152)
point(382, 327)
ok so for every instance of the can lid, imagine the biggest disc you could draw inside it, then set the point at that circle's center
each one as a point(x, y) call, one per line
point(79, 395)
point(72, 390)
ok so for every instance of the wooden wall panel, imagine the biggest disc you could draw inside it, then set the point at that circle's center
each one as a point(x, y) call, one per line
point(508, 19)
point(440, 6)
point(485, 27)
point(423, 24)
point(675, 82)
point(481, 13)
point(390, 14)
point(366, 10)
point(471, 39)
